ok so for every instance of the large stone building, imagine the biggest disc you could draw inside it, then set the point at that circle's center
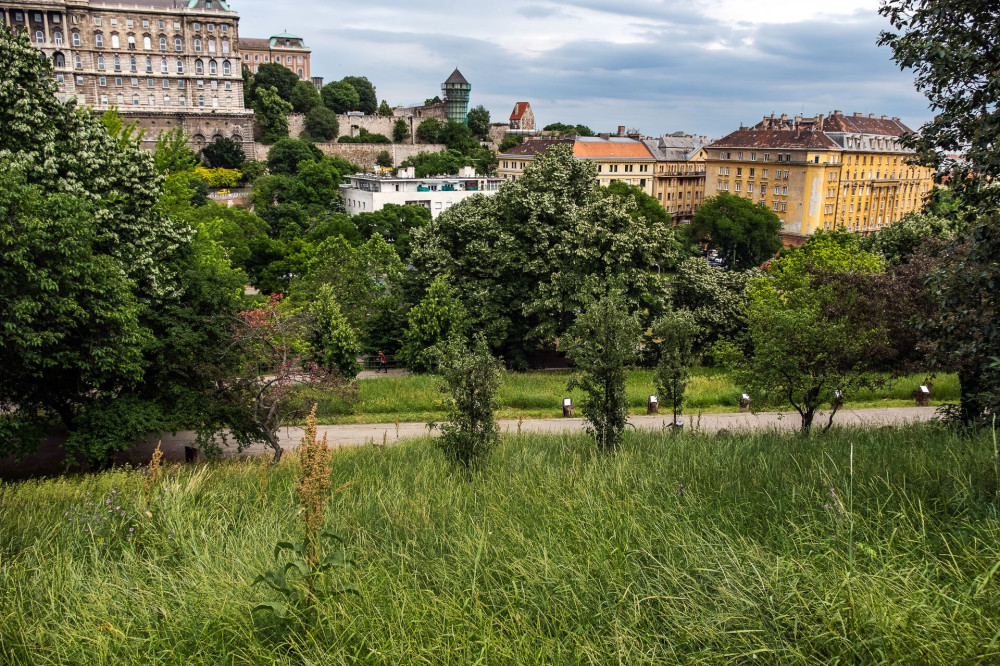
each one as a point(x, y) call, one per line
point(679, 175)
point(162, 63)
point(287, 50)
point(824, 172)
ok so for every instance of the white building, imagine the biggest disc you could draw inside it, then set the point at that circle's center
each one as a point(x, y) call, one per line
point(366, 192)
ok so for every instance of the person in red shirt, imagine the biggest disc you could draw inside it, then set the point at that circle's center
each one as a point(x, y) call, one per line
point(383, 364)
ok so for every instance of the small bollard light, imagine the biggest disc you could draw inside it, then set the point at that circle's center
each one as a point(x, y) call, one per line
point(744, 402)
point(653, 405)
point(567, 407)
point(923, 396)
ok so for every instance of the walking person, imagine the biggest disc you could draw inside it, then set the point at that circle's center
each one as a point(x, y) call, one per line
point(383, 364)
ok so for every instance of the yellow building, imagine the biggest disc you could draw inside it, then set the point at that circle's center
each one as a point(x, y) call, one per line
point(824, 172)
point(679, 174)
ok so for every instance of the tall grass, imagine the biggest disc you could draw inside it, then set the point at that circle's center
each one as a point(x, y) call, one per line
point(679, 549)
point(540, 394)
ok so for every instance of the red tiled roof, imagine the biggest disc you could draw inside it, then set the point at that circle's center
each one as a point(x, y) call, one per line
point(865, 125)
point(802, 138)
point(611, 150)
point(254, 44)
point(519, 109)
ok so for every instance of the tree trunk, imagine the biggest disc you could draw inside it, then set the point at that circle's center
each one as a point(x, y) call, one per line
point(272, 440)
point(807, 420)
point(972, 406)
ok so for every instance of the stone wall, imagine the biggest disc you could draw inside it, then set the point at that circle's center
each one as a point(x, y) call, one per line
point(364, 154)
point(202, 127)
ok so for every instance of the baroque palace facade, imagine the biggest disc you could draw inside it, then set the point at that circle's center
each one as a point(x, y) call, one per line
point(824, 172)
point(162, 63)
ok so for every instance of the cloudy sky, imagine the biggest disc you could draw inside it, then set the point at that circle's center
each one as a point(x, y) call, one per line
point(702, 67)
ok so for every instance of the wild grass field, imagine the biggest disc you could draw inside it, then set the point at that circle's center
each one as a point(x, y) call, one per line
point(870, 546)
point(539, 395)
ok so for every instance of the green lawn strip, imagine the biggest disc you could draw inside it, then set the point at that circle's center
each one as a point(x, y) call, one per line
point(871, 546)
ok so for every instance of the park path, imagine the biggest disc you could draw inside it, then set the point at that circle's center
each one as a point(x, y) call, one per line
point(48, 459)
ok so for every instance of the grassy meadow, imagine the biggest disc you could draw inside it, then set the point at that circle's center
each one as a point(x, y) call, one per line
point(539, 395)
point(869, 546)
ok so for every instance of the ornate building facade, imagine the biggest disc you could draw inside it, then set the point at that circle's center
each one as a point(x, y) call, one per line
point(161, 63)
point(286, 50)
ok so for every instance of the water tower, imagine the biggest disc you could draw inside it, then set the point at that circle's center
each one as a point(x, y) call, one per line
point(456, 95)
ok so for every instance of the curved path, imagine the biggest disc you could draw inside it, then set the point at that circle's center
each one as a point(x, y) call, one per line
point(48, 459)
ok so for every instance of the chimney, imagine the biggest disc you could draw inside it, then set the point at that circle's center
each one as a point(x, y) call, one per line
point(604, 135)
point(819, 122)
point(784, 116)
point(871, 115)
point(885, 117)
point(838, 112)
point(621, 130)
point(857, 114)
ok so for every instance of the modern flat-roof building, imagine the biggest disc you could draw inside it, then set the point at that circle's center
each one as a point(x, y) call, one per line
point(162, 63)
point(365, 193)
point(283, 49)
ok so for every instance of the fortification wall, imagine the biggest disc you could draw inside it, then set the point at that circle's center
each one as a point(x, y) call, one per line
point(365, 154)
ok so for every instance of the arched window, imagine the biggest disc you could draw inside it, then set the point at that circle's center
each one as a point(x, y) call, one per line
point(226, 68)
point(199, 67)
point(76, 39)
point(300, 72)
point(211, 46)
point(118, 64)
point(39, 36)
point(163, 65)
point(133, 65)
point(98, 40)
point(163, 43)
point(149, 64)
point(147, 42)
point(197, 44)
point(180, 66)
point(213, 68)
point(57, 37)
point(100, 62)
point(115, 44)
point(225, 46)
point(58, 60)
point(178, 45)
point(78, 62)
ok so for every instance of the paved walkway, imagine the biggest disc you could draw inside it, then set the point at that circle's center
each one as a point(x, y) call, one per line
point(49, 456)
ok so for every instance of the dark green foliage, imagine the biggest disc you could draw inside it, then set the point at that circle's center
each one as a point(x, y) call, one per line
point(433, 164)
point(562, 128)
point(400, 131)
point(509, 142)
point(472, 378)
point(479, 122)
point(279, 77)
point(394, 223)
point(384, 159)
point(602, 342)
point(333, 342)
point(435, 320)
point(428, 130)
point(676, 332)
point(431, 101)
point(715, 297)
point(271, 114)
point(364, 136)
point(739, 229)
point(457, 136)
point(384, 109)
point(367, 99)
point(252, 170)
point(305, 97)
point(321, 124)
point(340, 97)
point(286, 155)
point(647, 207)
point(223, 153)
point(902, 239)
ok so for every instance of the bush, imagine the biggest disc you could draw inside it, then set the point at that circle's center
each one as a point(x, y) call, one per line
point(384, 159)
point(472, 379)
point(321, 124)
point(334, 342)
point(437, 318)
point(364, 136)
point(400, 131)
point(223, 153)
point(216, 178)
point(428, 130)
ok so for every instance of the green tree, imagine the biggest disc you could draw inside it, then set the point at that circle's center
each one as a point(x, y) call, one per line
point(563, 128)
point(676, 332)
point(271, 113)
point(304, 97)
point(646, 207)
point(902, 239)
point(428, 130)
point(384, 159)
point(367, 99)
point(279, 77)
point(400, 131)
point(384, 109)
point(223, 153)
point(436, 319)
point(340, 97)
point(287, 154)
point(810, 340)
point(321, 124)
point(602, 343)
point(743, 232)
point(716, 298)
point(479, 122)
point(509, 142)
point(333, 343)
point(364, 136)
point(394, 223)
point(471, 383)
point(457, 136)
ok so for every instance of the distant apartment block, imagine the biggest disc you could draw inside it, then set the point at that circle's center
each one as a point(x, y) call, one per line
point(365, 193)
point(823, 172)
point(679, 175)
point(283, 49)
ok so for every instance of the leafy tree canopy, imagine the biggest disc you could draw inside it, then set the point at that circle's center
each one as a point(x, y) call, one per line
point(285, 156)
point(428, 130)
point(279, 77)
point(738, 228)
point(562, 128)
point(340, 97)
point(223, 153)
point(271, 113)
point(479, 122)
point(305, 97)
point(367, 99)
point(321, 124)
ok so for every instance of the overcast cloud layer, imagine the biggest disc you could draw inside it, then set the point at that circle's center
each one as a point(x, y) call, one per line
point(650, 65)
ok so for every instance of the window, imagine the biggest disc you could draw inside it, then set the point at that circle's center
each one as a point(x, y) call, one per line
point(196, 26)
point(102, 81)
point(211, 46)
point(120, 99)
point(57, 37)
point(135, 100)
point(738, 185)
point(166, 83)
point(256, 58)
point(177, 25)
point(177, 44)
point(152, 100)
point(182, 101)
point(100, 62)
point(133, 65)
point(246, 56)
point(161, 25)
point(784, 191)
point(115, 44)
point(147, 42)
point(135, 82)
point(197, 44)
point(213, 68)
point(118, 64)
point(752, 172)
point(200, 83)
point(18, 16)
point(782, 206)
point(180, 84)
point(149, 64)
point(775, 205)
point(76, 39)
point(215, 102)
point(210, 27)
point(226, 68)
point(225, 46)
point(163, 66)
point(145, 23)
point(104, 100)
point(78, 61)
point(166, 100)
point(229, 85)
point(201, 100)
point(753, 157)
point(777, 191)
point(180, 66)
point(267, 58)
point(300, 60)
point(150, 83)
point(38, 18)
point(39, 36)
point(288, 60)
point(749, 188)
point(786, 174)
point(131, 42)
point(199, 67)
point(214, 85)
point(97, 20)
point(99, 40)
point(129, 23)
point(739, 170)
point(300, 72)
point(224, 28)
